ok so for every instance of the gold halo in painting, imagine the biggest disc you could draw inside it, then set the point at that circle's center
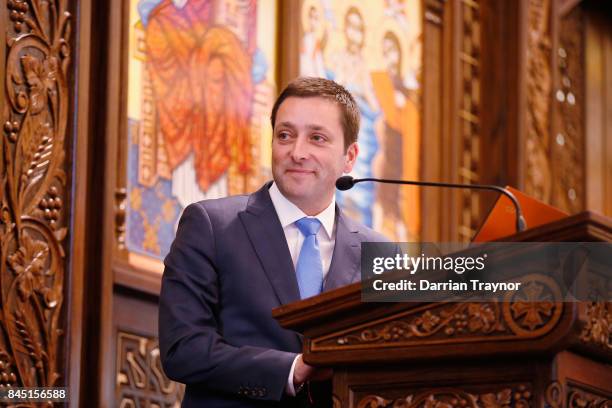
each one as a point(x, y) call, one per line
point(342, 14)
point(389, 24)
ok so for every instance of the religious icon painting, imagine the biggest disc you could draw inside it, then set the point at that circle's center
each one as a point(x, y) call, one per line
point(201, 84)
point(374, 49)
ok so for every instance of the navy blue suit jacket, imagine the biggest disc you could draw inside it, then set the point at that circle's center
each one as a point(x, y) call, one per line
point(228, 267)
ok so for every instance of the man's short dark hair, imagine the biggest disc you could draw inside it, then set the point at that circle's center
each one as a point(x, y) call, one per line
point(309, 87)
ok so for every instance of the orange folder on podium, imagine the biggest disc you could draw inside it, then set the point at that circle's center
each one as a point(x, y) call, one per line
point(501, 221)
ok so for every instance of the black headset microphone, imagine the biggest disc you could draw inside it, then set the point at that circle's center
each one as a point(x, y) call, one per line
point(347, 182)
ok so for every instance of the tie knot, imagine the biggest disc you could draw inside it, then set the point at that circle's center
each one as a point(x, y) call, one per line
point(308, 226)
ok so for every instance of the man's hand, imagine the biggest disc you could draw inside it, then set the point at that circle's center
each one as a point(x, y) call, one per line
point(303, 372)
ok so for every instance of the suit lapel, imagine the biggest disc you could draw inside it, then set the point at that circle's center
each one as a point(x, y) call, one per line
point(345, 261)
point(267, 237)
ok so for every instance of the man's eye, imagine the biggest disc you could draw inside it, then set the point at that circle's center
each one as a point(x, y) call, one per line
point(283, 136)
point(318, 138)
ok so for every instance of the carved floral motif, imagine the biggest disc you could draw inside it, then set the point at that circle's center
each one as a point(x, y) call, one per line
point(450, 320)
point(520, 396)
point(33, 191)
point(28, 263)
point(598, 330)
point(530, 312)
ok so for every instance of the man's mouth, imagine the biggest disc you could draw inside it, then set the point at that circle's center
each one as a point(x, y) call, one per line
point(299, 171)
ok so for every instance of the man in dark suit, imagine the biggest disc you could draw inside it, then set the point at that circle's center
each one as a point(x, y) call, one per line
point(235, 259)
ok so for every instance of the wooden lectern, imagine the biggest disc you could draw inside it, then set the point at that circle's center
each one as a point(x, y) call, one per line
point(444, 355)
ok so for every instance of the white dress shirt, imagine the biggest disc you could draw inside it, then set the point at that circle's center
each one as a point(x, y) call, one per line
point(288, 213)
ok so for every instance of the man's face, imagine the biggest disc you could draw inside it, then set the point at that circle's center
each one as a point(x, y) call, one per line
point(308, 153)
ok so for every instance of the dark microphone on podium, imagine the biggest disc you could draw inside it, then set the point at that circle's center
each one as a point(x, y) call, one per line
point(347, 182)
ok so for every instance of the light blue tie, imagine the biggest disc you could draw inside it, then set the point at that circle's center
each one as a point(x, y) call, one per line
point(309, 268)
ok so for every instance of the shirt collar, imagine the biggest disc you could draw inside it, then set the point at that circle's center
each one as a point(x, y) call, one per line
point(288, 213)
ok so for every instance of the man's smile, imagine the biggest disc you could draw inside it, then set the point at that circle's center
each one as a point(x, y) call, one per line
point(300, 171)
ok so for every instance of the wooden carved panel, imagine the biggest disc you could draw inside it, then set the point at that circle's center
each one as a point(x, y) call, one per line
point(579, 396)
point(572, 395)
point(568, 147)
point(508, 396)
point(538, 182)
point(555, 142)
point(451, 323)
point(34, 192)
point(598, 330)
point(141, 381)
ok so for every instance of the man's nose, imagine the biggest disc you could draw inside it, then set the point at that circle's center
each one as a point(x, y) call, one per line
point(299, 151)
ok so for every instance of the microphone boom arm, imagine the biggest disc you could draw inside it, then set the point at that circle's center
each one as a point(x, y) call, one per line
point(521, 225)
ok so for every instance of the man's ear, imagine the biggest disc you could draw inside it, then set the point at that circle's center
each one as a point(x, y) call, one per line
point(350, 157)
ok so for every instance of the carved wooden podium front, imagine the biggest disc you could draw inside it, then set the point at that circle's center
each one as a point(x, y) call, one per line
point(481, 354)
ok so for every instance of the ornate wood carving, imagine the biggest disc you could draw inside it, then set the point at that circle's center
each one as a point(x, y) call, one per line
point(567, 150)
point(575, 396)
point(554, 145)
point(598, 330)
point(554, 395)
point(452, 320)
point(140, 379)
point(120, 214)
point(518, 318)
point(532, 310)
point(34, 192)
point(539, 85)
point(578, 397)
point(469, 116)
point(518, 396)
